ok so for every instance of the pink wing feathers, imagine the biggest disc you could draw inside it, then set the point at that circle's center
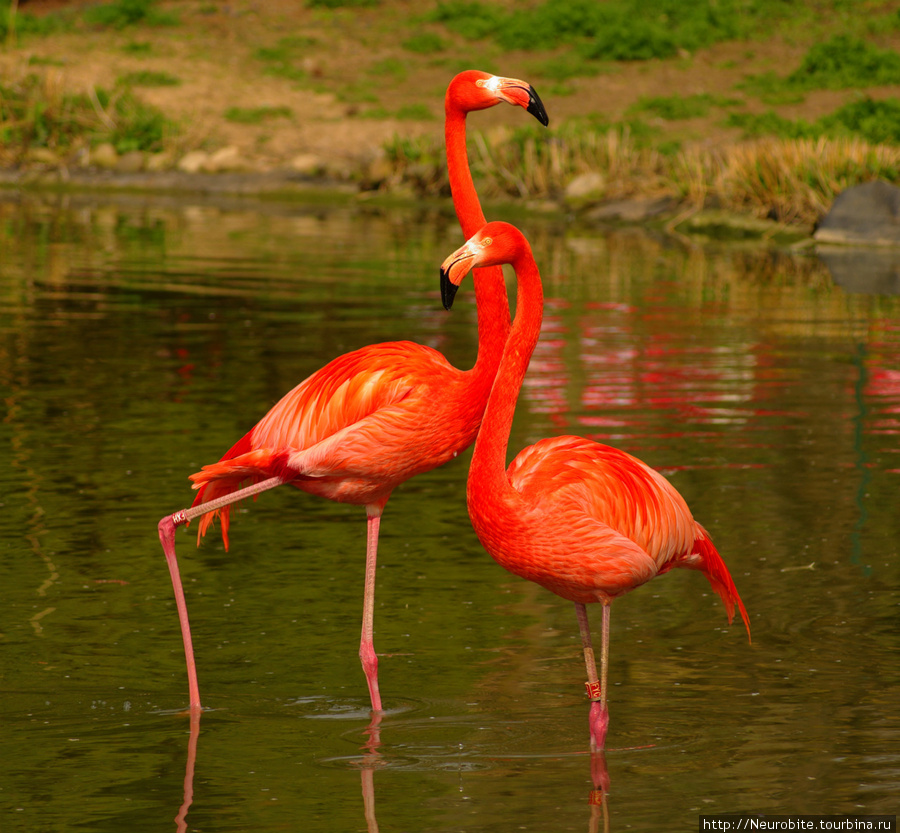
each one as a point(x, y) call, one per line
point(640, 513)
point(342, 422)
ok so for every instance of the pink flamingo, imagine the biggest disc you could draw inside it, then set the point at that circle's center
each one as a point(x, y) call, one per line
point(371, 419)
point(584, 520)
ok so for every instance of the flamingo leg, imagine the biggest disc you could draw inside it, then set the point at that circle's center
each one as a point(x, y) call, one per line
point(367, 655)
point(167, 527)
point(599, 715)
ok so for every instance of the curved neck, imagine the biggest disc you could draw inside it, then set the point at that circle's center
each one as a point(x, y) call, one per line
point(487, 473)
point(490, 288)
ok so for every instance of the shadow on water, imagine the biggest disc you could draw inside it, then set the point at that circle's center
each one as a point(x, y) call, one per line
point(138, 340)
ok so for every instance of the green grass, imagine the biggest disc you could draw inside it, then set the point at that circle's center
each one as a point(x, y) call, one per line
point(415, 112)
point(35, 113)
point(256, 115)
point(618, 30)
point(677, 107)
point(425, 43)
point(138, 48)
point(27, 25)
point(123, 13)
point(842, 62)
point(877, 122)
point(149, 78)
point(281, 60)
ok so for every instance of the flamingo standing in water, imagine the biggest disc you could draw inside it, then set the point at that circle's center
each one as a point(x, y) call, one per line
point(371, 419)
point(584, 520)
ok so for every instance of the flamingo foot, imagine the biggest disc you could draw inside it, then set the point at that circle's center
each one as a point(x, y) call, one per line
point(167, 527)
point(599, 723)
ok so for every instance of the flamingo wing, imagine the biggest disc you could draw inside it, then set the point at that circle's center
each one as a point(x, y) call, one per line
point(351, 431)
point(629, 522)
point(609, 486)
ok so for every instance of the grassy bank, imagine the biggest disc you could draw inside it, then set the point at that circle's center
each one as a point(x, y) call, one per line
point(762, 106)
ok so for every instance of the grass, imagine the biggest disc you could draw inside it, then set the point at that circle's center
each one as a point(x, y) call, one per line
point(37, 113)
point(621, 30)
point(281, 60)
point(677, 107)
point(789, 180)
point(878, 122)
point(121, 14)
point(256, 115)
point(149, 78)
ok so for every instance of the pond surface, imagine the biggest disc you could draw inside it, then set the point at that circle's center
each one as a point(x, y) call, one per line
point(139, 339)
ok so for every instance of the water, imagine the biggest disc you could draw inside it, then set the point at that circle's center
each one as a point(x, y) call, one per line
point(140, 338)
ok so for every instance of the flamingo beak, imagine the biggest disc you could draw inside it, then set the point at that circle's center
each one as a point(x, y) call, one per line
point(453, 270)
point(448, 290)
point(536, 107)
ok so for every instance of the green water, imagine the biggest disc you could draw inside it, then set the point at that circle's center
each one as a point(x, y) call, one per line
point(140, 339)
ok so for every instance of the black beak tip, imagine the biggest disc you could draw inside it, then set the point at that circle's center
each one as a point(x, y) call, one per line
point(448, 290)
point(536, 107)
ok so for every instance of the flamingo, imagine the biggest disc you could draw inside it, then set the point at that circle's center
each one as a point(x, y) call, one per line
point(373, 418)
point(586, 521)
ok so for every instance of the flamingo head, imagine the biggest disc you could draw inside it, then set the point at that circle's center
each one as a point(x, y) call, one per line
point(496, 243)
point(476, 90)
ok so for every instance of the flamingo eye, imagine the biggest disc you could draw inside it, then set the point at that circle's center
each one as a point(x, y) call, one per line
point(486, 242)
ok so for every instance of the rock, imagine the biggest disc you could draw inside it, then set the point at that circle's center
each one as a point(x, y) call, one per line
point(43, 156)
point(585, 188)
point(631, 210)
point(193, 161)
point(131, 162)
point(224, 159)
point(307, 164)
point(157, 162)
point(104, 156)
point(867, 214)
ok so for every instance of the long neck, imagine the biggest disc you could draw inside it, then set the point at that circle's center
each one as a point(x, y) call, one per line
point(487, 473)
point(490, 289)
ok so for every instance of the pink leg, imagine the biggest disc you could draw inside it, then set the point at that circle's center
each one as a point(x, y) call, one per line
point(167, 527)
point(599, 715)
point(167, 538)
point(367, 640)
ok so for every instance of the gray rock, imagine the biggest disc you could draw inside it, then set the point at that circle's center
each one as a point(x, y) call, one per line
point(631, 210)
point(867, 214)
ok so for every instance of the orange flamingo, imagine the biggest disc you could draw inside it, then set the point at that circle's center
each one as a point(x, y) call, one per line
point(371, 419)
point(584, 520)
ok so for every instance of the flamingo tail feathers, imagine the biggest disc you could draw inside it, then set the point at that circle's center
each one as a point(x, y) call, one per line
point(240, 467)
point(706, 558)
